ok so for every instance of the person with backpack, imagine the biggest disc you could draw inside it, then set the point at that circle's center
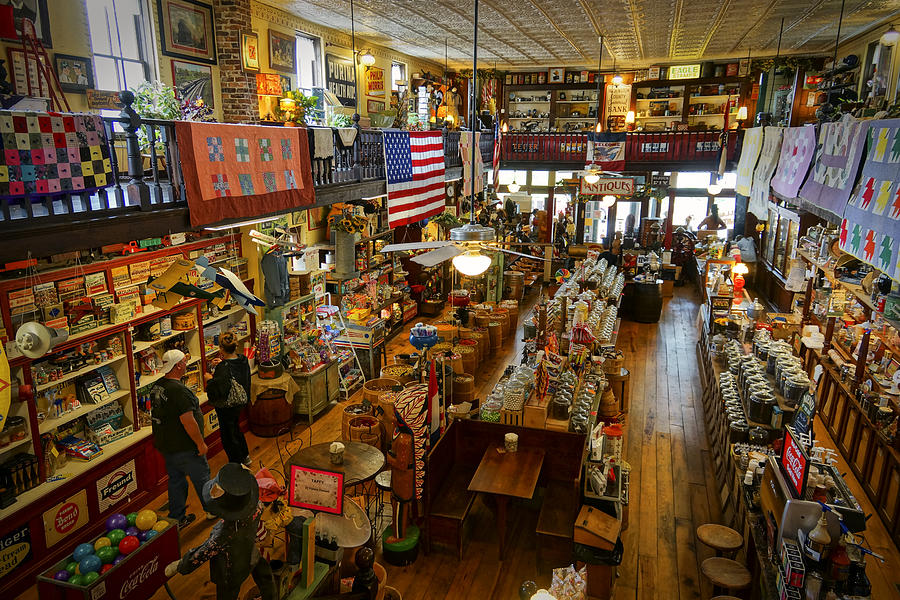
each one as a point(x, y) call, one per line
point(228, 388)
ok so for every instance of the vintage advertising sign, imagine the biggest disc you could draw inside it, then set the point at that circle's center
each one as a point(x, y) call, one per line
point(66, 517)
point(618, 186)
point(316, 490)
point(102, 99)
point(684, 71)
point(374, 82)
point(116, 486)
point(15, 549)
point(618, 100)
point(210, 422)
point(794, 464)
point(339, 79)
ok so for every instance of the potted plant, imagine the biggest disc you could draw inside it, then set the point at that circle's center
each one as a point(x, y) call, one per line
point(295, 108)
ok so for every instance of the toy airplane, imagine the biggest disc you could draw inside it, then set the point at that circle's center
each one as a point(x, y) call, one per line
point(231, 282)
point(171, 286)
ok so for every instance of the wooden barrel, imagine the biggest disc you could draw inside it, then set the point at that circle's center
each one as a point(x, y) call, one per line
point(270, 414)
point(502, 316)
point(438, 349)
point(513, 308)
point(374, 388)
point(463, 383)
point(386, 403)
point(446, 330)
point(476, 352)
point(482, 318)
point(402, 373)
point(513, 284)
point(351, 411)
point(460, 397)
point(365, 429)
point(469, 360)
point(495, 331)
point(454, 361)
point(614, 362)
point(484, 343)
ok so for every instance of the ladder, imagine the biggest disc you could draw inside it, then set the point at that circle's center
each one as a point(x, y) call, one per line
point(32, 49)
point(328, 311)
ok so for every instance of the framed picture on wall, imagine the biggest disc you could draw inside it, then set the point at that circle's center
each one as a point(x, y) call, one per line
point(36, 12)
point(186, 30)
point(21, 68)
point(556, 75)
point(193, 82)
point(282, 51)
point(75, 73)
point(250, 51)
point(285, 81)
point(374, 106)
point(318, 217)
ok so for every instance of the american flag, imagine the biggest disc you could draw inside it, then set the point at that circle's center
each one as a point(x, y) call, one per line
point(414, 163)
point(496, 177)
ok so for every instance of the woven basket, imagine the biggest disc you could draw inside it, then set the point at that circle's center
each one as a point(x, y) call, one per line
point(365, 429)
point(402, 373)
point(350, 412)
point(374, 388)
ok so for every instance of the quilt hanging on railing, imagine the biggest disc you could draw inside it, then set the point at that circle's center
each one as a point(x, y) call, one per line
point(870, 228)
point(753, 140)
point(837, 159)
point(797, 150)
point(765, 168)
point(52, 153)
point(243, 171)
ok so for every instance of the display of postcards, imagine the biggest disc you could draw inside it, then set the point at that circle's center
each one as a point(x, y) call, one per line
point(139, 271)
point(109, 378)
point(95, 283)
point(45, 293)
point(52, 312)
point(120, 277)
point(23, 297)
point(71, 285)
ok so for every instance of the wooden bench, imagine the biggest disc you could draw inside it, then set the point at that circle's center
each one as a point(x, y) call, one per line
point(556, 521)
point(447, 498)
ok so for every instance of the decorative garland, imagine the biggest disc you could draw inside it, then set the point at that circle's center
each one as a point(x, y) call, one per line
point(794, 63)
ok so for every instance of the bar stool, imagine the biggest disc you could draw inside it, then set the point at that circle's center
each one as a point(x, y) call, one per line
point(726, 575)
point(383, 483)
point(724, 540)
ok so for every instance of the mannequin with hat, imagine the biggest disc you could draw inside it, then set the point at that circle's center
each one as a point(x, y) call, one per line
point(233, 495)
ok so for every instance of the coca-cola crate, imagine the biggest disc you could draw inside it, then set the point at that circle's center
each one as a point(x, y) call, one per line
point(138, 577)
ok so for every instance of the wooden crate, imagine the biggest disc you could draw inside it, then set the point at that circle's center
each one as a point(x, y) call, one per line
point(512, 417)
point(556, 424)
point(535, 411)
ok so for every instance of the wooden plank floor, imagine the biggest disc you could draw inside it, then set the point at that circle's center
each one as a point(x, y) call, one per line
point(672, 487)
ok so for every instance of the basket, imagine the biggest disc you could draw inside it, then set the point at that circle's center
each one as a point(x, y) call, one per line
point(467, 353)
point(402, 373)
point(512, 308)
point(501, 315)
point(512, 417)
point(365, 429)
point(495, 331)
point(482, 318)
point(351, 412)
point(374, 388)
point(614, 362)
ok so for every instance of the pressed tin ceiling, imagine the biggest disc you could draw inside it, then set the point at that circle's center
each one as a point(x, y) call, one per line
point(525, 33)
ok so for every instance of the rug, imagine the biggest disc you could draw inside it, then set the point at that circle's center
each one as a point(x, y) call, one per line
point(765, 168)
point(797, 150)
point(243, 171)
point(836, 164)
point(752, 145)
point(870, 228)
point(52, 153)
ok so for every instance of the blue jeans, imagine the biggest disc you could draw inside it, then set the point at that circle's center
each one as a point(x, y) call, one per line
point(179, 466)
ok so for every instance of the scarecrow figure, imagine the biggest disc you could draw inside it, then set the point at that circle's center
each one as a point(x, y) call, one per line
point(233, 495)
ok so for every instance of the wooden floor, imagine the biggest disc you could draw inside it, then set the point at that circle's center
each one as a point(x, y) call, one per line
point(672, 487)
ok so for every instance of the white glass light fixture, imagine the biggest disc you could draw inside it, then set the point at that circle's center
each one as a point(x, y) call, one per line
point(505, 127)
point(543, 595)
point(599, 127)
point(714, 189)
point(513, 187)
point(607, 201)
point(366, 58)
point(890, 37)
point(591, 177)
point(629, 117)
point(471, 263)
point(617, 79)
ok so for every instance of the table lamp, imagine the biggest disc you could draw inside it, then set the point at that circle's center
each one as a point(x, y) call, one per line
point(738, 273)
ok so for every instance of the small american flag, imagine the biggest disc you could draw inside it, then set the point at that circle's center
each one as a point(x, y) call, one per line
point(414, 163)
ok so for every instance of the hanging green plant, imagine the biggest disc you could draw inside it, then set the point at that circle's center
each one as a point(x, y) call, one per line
point(447, 221)
point(793, 63)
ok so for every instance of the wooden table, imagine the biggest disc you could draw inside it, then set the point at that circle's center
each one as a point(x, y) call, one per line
point(361, 461)
point(507, 475)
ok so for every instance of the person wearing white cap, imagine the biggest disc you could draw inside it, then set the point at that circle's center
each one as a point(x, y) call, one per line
point(178, 435)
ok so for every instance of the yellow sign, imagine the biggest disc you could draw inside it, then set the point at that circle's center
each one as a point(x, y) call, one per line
point(15, 549)
point(374, 81)
point(65, 517)
point(684, 71)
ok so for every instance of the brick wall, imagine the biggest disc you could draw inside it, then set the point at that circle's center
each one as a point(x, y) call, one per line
point(239, 101)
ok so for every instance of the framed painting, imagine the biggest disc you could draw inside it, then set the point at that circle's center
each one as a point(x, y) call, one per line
point(21, 69)
point(250, 51)
point(193, 82)
point(318, 217)
point(75, 73)
point(282, 51)
point(285, 81)
point(186, 30)
point(36, 12)
point(374, 106)
point(556, 75)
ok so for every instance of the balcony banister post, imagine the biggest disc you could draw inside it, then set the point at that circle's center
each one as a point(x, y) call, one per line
point(138, 192)
point(357, 148)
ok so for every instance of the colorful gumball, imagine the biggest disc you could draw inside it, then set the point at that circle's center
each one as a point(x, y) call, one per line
point(89, 564)
point(76, 580)
point(116, 521)
point(82, 550)
point(90, 578)
point(160, 526)
point(115, 536)
point(101, 543)
point(62, 575)
point(71, 566)
point(151, 533)
point(129, 544)
point(146, 519)
point(107, 554)
point(105, 568)
point(132, 518)
point(119, 559)
point(132, 531)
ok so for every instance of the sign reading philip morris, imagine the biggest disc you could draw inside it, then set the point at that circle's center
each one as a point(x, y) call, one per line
point(618, 186)
point(116, 486)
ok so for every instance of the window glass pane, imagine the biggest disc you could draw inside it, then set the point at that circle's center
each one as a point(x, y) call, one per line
point(595, 219)
point(134, 75)
point(307, 62)
point(561, 203)
point(540, 178)
point(628, 216)
point(728, 181)
point(506, 177)
point(99, 16)
point(398, 74)
point(563, 175)
point(105, 74)
point(696, 180)
point(522, 177)
point(538, 201)
point(128, 14)
point(726, 211)
point(690, 210)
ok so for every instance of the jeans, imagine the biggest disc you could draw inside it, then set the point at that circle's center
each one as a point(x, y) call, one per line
point(232, 437)
point(179, 466)
point(262, 577)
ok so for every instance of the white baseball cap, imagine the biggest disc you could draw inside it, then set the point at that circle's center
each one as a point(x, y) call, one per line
point(170, 359)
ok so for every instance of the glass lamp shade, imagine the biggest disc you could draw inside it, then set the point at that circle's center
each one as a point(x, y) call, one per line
point(591, 178)
point(504, 128)
point(740, 269)
point(617, 79)
point(713, 189)
point(607, 201)
point(629, 117)
point(513, 187)
point(890, 37)
point(367, 59)
point(543, 595)
point(472, 263)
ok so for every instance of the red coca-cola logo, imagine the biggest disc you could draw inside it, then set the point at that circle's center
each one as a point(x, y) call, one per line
point(139, 576)
point(66, 517)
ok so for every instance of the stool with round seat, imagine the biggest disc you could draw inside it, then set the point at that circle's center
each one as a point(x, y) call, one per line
point(724, 540)
point(726, 575)
point(383, 483)
point(726, 598)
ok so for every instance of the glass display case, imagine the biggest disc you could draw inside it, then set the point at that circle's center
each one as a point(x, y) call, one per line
point(782, 234)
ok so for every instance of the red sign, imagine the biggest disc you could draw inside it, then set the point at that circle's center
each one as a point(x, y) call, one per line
point(66, 518)
point(794, 464)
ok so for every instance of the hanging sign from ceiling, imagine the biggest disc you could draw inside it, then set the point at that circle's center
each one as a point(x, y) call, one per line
point(618, 186)
point(339, 79)
point(684, 71)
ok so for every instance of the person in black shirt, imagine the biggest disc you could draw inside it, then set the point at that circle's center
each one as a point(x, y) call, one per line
point(178, 435)
point(229, 367)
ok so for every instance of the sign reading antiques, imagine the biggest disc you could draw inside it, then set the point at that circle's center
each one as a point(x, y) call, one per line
point(15, 549)
point(618, 186)
point(116, 486)
point(339, 79)
point(684, 71)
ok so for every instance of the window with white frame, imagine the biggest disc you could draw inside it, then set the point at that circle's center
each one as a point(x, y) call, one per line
point(120, 42)
point(309, 63)
point(398, 73)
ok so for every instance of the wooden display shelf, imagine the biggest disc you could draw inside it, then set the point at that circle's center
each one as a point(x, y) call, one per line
point(146, 380)
point(50, 424)
point(141, 346)
point(74, 374)
point(17, 444)
point(223, 315)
